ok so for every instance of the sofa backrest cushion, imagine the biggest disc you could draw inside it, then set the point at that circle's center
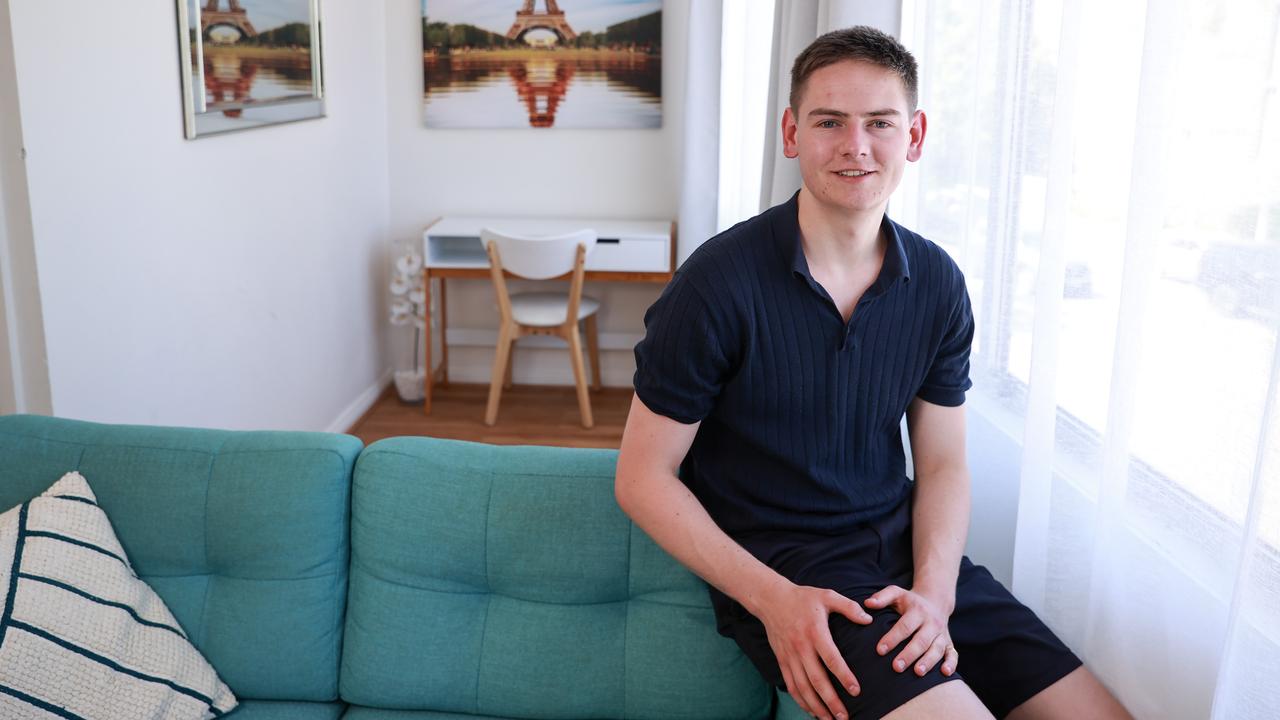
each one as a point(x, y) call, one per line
point(244, 535)
point(505, 581)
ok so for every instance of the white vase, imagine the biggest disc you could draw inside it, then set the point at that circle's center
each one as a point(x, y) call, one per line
point(409, 385)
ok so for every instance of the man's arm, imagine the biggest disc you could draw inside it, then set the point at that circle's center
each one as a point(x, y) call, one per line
point(940, 522)
point(795, 617)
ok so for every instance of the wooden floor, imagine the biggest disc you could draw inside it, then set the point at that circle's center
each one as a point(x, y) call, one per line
point(528, 415)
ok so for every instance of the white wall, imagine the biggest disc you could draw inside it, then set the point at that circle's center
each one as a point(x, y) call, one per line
point(526, 172)
point(238, 281)
point(24, 379)
point(232, 281)
point(994, 451)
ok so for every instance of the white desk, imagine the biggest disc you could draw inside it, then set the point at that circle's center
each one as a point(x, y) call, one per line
point(626, 251)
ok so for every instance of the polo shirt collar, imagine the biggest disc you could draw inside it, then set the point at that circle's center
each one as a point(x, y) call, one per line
point(786, 231)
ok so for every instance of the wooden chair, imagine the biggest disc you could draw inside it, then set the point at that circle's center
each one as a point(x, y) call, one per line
point(543, 313)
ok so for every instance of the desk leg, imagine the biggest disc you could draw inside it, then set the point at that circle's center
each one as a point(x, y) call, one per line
point(427, 379)
point(444, 333)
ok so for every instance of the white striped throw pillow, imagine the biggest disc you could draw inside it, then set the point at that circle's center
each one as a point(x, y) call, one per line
point(80, 635)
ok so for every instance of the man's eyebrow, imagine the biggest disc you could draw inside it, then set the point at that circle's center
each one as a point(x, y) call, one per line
point(886, 112)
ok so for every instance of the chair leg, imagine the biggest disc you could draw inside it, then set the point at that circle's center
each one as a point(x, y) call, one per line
point(511, 363)
point(580, 376)
point(593, 349)
point(500, 359)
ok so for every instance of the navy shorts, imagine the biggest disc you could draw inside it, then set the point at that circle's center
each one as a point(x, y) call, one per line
point(1007, 654)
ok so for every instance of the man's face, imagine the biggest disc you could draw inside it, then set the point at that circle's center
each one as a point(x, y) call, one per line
point(853, 133)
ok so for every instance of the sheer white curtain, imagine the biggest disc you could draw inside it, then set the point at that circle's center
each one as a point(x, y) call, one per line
point(700, 174)
point(727, 90)
point(744, 93)
point(1107, 174)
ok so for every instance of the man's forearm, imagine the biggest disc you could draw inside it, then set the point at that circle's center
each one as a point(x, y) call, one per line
point(665, 509)
point(940, 523)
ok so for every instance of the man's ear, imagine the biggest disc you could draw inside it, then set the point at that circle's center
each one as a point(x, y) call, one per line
point(789, 148)
point(918, 126)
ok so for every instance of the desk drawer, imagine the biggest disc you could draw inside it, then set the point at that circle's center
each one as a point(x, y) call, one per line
point(630, 255)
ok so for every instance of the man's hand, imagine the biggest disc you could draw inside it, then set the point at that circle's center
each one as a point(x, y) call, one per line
point(923, 617)
point(796, 621)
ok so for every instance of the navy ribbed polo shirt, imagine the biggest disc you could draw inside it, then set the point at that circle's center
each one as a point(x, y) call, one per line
point(800, 411)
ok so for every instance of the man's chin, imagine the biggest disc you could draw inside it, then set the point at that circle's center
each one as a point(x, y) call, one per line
point(850, 204)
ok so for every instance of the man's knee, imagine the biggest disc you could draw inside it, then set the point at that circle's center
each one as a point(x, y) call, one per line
point(857, 643)
point(952, 699)
point(883, 688)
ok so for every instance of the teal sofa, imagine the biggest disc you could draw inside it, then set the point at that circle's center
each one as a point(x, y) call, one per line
point(415, 579)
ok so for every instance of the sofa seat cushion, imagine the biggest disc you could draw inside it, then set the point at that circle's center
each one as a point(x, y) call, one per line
point(355, 712)
point(281, 710)
point(506, 582)
point(242, 534)
point(787, 709)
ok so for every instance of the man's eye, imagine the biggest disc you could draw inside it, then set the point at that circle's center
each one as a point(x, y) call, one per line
point(881, 124)
point(828, 124)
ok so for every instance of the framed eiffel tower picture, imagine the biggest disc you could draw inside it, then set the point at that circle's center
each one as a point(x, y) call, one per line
point(542, 63)
point(249, 63)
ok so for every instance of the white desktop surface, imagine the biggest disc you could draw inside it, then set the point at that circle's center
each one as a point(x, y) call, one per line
point(452, 226)
point(622, 245)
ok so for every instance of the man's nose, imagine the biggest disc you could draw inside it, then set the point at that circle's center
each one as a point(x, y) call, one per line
point(857, 142)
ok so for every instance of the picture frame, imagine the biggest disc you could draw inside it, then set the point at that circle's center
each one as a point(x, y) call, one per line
point(541, 64)
point(249, 63)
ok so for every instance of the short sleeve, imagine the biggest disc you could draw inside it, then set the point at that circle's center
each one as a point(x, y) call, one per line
point(684, 358)
point(947, 379)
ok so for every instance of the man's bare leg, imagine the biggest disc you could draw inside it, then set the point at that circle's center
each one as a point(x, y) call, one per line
point(1078, 695)
point(953, 700)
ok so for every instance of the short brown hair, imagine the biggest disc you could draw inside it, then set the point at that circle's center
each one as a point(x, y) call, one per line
point(859, 42)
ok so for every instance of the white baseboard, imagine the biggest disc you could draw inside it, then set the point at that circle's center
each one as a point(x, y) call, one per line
point(360, 405)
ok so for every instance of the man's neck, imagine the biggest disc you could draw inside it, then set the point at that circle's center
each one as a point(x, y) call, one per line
point(839, 242)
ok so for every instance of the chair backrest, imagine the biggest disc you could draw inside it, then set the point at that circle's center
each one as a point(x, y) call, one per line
point(539, 258)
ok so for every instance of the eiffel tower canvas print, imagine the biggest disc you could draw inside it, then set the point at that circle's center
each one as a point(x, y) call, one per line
point(248, 63)
point(542, 63)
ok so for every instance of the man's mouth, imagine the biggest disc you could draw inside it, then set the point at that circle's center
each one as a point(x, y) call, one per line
point(853, 173)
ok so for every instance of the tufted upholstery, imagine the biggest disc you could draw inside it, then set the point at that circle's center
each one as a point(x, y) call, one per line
point(280, 710)
point(243, 534)
point(505, 582)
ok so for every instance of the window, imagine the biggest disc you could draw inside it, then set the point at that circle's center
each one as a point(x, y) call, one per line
point(1164, 218)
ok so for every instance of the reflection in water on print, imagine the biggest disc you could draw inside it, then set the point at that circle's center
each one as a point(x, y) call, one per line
point(482, 89)
point(234, 78)
point(541, 85)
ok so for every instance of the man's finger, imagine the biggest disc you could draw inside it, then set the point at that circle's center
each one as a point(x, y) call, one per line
point(916, 649)
point(848, 608)
point(885, 597)
point(901, 630)
point(811, 704)
point(798, 686)
point(830, 702)
point(792, 689)
point(839, 668)
point(950, 660)
point(931, 656)
point(786, 680)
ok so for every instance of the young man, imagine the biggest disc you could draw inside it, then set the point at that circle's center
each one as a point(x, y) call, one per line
point(774, 373)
